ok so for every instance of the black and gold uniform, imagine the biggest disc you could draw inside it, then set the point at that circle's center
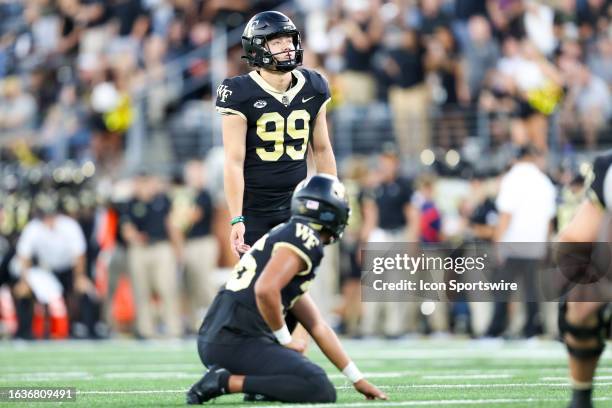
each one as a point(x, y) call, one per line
point(279, 127)
point(233, 315)
point(235, 336)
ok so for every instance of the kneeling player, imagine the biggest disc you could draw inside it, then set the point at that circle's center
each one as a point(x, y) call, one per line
point(584, 326)
point(244, 340)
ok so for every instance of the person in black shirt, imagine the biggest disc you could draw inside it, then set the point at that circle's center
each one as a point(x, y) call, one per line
point(201, 247)
point(395, 220)
point(147, 229)
point(408, 93)
point(244, 340)
point(363, 29)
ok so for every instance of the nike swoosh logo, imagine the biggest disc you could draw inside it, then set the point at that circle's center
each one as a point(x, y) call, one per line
point(304, 100)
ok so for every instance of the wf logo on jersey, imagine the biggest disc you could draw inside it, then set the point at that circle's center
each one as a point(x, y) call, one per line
point(223, 92)
point(307, 235)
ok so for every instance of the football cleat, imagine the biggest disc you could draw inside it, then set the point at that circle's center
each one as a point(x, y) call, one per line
point(212, 385)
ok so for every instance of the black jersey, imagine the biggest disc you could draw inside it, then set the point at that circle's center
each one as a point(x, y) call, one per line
point(234, 310)
point(600, 188)
point(279, 128)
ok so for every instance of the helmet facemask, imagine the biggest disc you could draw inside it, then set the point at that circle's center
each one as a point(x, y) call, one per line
point(262, 57)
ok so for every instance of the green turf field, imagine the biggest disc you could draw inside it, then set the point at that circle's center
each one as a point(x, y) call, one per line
point(436, 373)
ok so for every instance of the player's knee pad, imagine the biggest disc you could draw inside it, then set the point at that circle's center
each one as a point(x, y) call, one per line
point(599, 332)
point(322, 389)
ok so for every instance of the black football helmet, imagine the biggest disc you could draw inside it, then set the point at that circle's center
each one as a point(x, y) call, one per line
point(321, 201)
point(266, 26)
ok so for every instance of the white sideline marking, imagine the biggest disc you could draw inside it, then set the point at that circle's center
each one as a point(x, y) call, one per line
point(500, 385)
point(132, 392)
point(467, 376)
point(382, 387)
point(488, 402)
point(597, 378)
point(365, 403)
point(387, 374)
point(148, 375)
point(47, 376)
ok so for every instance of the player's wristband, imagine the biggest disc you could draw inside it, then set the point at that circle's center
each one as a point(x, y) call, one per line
point(282, 335)
point(237, 219)
point(352, 373)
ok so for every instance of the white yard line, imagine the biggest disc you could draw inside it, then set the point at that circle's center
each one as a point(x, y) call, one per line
point(46, 376)
point(149, 375)
point(488, 402)
point(447, 386)
point(462, 376)
point(566, 378)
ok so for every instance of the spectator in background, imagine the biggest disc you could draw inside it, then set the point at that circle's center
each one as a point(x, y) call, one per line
point(592, 16)
point(91, 18)
point(106, 144)
point(356, 182)
point(69, 29)
point(363, 30)
point(450, 91)
point(154, 245)
point(480, 54)
point(539, 20)
point(429, 232)
point(537, 88)
point(589, 100)
point(17, 108)
point(63, 132)
point(482, 219)
point(201, 250)
point(430, 221)
point(600, 61)
point(464, 10)
point(408, 93)
point(526, 205)
point(55, 243)
point(432, 17)
point(177, 40)
point(389, 217)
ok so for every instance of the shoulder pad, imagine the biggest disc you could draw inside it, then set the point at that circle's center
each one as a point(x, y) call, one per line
point(318, 82)
point(601, 180)
point(235, 89)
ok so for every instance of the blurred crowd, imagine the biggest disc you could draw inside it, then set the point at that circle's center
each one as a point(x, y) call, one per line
point(144, 256)
point(77, 77)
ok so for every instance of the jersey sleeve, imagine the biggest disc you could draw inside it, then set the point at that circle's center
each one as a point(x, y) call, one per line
point(600, 188)
point(303, 241)
point(230, 99)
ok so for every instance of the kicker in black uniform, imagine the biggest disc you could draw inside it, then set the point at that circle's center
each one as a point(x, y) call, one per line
point(271, 117)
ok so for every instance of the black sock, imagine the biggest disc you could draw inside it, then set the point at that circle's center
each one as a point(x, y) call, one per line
point(582, 398)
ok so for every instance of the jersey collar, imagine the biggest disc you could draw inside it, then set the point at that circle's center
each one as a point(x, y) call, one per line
point(279, 96)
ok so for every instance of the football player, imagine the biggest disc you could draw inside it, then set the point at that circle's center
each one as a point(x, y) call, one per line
point(271, 117)
point(584, 326)
point(244, 340)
